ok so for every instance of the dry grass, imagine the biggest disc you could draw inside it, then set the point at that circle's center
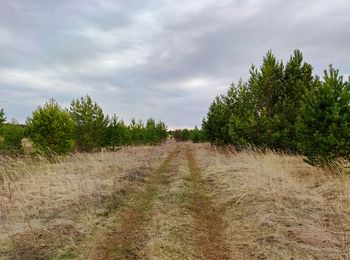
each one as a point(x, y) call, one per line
point(255, 205)
point(277, 207)
point(170, 233)
point(39, 199)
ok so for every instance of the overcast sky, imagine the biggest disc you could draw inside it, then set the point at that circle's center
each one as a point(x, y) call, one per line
point(162, 58)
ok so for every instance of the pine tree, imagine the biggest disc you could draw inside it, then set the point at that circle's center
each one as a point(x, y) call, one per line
point(267, 85)
point(242, 120)
point(2, 117)
point(215, 125)
point(151, 132)
point(51, 129)
point(298, 80)
point(161, 130)
point(323, 125)
point(91, 123)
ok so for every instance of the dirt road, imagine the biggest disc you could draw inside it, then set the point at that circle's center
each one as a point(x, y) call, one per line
point(167, 214)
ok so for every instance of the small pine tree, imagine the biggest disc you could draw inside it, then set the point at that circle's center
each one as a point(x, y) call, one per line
point(266, 85)
point(91, 123)
point(215, 125)
point(2, 117)
point(323, 126)
point(151, 132)
point(162, 132)
point(51, 128)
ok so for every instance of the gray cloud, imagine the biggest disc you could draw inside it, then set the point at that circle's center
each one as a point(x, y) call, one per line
point(166, 59)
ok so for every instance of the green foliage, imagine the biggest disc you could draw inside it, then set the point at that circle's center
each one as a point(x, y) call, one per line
point(2, 117)
point(182, 135)
point(51, 128)
point(118, 133)
point(323, 125)
point(284, 107)
point(90, 123)
point(215, 125)
point(11, 135)
point(136, 133)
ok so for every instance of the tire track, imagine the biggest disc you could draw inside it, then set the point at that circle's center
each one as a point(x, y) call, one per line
point(208, 225)
point(126, 239)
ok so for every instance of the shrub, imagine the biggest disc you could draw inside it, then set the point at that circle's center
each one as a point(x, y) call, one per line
point(12, 135)
point(51, 129)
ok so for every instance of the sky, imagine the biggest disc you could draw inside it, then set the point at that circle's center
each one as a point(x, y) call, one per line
point(165, 59)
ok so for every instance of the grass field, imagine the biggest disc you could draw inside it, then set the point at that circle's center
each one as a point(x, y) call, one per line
point(175, 201)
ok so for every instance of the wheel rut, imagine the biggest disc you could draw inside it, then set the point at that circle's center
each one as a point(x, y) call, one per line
point(208, 225)
point(127, 238)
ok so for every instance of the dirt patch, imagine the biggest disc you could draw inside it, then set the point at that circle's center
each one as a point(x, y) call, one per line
point(207, 222)
point(44, 244)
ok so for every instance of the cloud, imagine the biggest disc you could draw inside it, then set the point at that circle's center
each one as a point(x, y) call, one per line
point(166, 59)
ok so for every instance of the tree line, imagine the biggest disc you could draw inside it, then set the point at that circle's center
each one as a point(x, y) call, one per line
point(285, 107)
point(182, 135)
point(83, 127)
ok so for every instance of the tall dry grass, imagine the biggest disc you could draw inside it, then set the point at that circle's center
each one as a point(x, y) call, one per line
point(37, 195)
point(276, 206)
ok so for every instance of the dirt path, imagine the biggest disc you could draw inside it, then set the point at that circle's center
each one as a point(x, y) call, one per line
point(126, 239)
point(166, 214)
point(208, 226)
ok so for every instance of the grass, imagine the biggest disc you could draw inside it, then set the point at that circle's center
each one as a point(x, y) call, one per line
point(80, 190)
point(277, 207)
point(162, 202)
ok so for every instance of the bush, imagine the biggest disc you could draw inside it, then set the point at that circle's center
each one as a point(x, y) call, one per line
point(12, 135)
point(51, 129)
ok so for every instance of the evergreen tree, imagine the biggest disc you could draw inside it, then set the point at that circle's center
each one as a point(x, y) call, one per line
point(298, 79)
point(161, 130)
point(51, 128)
point(215, 125)
point(151, 132)
point(113, 135)
point(323, 125)
point(242, 119)
point(267, 85)
point(91, 123)
point(2, 117)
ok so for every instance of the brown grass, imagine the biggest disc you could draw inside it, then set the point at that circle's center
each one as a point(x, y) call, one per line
point(277, 207)
point(36, 195)
point(204, 203)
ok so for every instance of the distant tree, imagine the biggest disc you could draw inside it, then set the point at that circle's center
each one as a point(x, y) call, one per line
point(162, 132)
point(113, 135)
point(196, 135)
point(137, 132)
point(151, 132)
point(323, 126)
point(91, 123)
point(2, 117)
point(51, 128)
point(177, 135)
point(215, 125)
